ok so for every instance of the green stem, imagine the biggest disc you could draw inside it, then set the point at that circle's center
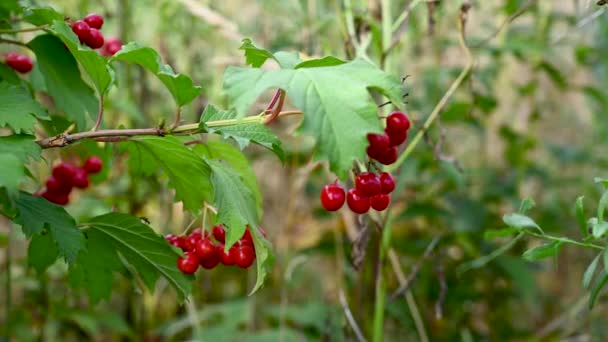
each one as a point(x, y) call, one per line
point(563, 240)
point(36, 28)
point(378, 331)
point(8, 286)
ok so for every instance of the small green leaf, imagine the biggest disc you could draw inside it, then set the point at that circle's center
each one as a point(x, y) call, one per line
point(180, 86)
point(601, 207)
point(287, 60)
point(599, 284)
point(42, 252)
point(63, 80)
point(322, 62)
point(41, 15)
point(543, 251)
point(590, 271)
point(254, 56)
point(243, 133)
point(580, 216)
point(36, 213)
point(491, 234)
point(526, 205)
point(264, 259)
point(520, 222)
point(18, 110)
point(13, 173)
point(598, 229)
point(22, 146)
point(603, 181)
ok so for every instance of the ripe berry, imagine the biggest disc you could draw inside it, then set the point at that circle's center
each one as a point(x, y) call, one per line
point(57, 198)
point(332, 197)
point(177, 241)
point(64, 172)
point(397, 138)
point(219, 233)
point(397, 122)
point(80, 179)
point(95, 39)
point(191, 240)
point(387, 183)
point(227, 258)
point(112, 46)
point(380, 201)
point(93, 164)
point(18, 62)
point(211, 262)
point(82, 30)
point(244, 256)
point(378, 141)
point(389, 156)
point(358, 203)
point(54, 185)
point(94, 20)
point(188, 264)
point(205, 249)
point(368, 184)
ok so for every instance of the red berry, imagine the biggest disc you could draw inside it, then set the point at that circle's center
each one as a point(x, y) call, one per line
point(188, 264)
point(211, 262)
point(358, 203)
point(94, 20)
point(80, 179)
point(380, 201)
point(378, 141)
point(368, 184)
point(205, 249)
point(244, 256)
point(191, 240)
point(388, 157)
point(57, 186)
point(57, 198)
point(177, 241)
point(95, 39)
point(397, 138)
point(332, 197)
point(93, 164)
point(64, 172)
point(397, 122)
point(219, 233)
point(18, 62)
point(82, 30)
point(227, 258)
point(112, 46)
point(387, 183)
point(247, 235)
point(244, 242)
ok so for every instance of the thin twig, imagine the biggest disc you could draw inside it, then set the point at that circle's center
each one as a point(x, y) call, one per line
point(30, 29)
point(277, 110)
point(443, 289)
point(414, 272)
point(276, 96)
point(580, 24)
point(99, 114)
point(178, 118)
point(14, 42)
point(350, 318)
point(505, 23)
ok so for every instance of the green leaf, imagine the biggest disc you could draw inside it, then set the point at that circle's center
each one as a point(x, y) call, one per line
point(554, 74)
point(36, 213)
point(580, 216)
point(263, 258)
point(590, 271)
point(599, 284)
point(147, 252)
point(17, 108)
point(41, 15)
point(234, 201)
point(338, 109)
point(96, 66)
point(254, 56)
point(526, 205)
point(22, 146)
point(9, 75)
point(187, 172)
point(63, 80)
point(601, 207)
point(599, 228)
point(237, 161)
point(287, 60)
point(42, 252)
point(543, 251)
point(242, 132)
point(520, 222)
point(491, 234)
point(180, 86)
point(13, 173)
point(322, 62)
point(602, 181)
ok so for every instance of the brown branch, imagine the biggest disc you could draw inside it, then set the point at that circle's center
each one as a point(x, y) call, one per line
point(64, 139)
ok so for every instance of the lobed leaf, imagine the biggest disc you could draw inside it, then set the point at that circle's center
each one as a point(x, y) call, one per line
point(17, 108)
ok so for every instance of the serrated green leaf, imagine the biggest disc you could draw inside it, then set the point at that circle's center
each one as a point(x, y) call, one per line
point(22, 146)
point(520, 222)
point(187, 172)
point(180, 86)
point(36, 213)
point(242, 133)
point(338, 109)
point(42, 252)
point(95, 65)
point(13, 173)
point(149, 254)
point(63, 80)
point(497, 233)
point(599, 284)
point(590, 271)
point(234, 201)
point(580, 216)
point(17, 108)
point(237, 161)
point(264, 258)
point(321, 62)
point(543, 251)
point(41, 15)
point(254, 55)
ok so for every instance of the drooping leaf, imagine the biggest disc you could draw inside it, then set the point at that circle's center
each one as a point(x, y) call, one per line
point(96, 66)
point(42, 252)
point(254, 55)
point(599, 228)
point(234, 201)
point(590, 271)
point(599, 285)
point(542, 251)
point(520, 222)
point(180, 86)
point(147, 252)
point(23, 146)
point(242, 133)
point(63, 80)
point(338, 109)
point(187, 172)
point(17, 108)
point(12, 174)
point(580, 216)
point(41, 15)
point(601, 207)
point(603, 181)
point(36, 213)
point(263, 259)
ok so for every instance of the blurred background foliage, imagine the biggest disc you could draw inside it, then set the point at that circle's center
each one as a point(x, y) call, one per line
point(530, 121)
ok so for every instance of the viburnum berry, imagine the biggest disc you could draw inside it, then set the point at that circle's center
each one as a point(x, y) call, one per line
point(191, 240)
point(368, 184)
point(397, 122)
point(177, 241)
point(57, 198)
point(380, 201)
point(112, 46)
point(55, 185)
point(357, 202)
point(378, 141)
point(332, 197)
point(228, 258)
point(211, 262)
point(94, 20)
point(18, 62)
point(93, 165)
point(244, 256)
point(397, 138)
point(95, 39)
point(219, 233)
point(80, 179)
point(205, 249)
point(188, 264)
point(387, 183)
point(82, 30)
point(389, 156)
point(64, 172)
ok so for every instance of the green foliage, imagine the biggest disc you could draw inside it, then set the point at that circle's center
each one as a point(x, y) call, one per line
point(13, 172)
point(18, 110)
point(42, 252)
point(21, 145)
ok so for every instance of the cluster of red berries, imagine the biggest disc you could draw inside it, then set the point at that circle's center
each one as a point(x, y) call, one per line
point(88, 32)
point(383, 147)
point(199, 249)
point(18, 62)
point(371, 190)
point(67, 176)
